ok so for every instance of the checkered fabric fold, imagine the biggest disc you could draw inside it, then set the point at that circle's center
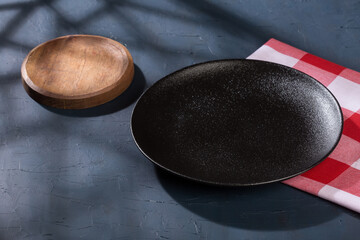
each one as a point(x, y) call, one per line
point(337, 178)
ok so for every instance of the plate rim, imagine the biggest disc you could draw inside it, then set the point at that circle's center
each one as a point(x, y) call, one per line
point(236, 184)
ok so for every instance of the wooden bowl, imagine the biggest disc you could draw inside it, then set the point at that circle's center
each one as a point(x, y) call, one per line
point(77, 71)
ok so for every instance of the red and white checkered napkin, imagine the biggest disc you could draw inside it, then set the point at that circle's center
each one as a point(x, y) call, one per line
point(337, 178)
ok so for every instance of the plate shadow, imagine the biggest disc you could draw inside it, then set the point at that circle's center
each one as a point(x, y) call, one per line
point(271, 207)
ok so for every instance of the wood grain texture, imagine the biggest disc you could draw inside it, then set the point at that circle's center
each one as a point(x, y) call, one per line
point(77, 71)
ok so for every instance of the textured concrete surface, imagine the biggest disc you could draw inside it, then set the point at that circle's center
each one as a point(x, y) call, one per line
point(79, 175)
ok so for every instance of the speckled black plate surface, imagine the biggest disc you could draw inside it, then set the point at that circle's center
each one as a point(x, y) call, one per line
point(237, 122)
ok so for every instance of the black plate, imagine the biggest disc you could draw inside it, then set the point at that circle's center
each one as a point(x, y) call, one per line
point(237, 122)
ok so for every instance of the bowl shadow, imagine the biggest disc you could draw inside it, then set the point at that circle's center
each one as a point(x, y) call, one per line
point(129, 96)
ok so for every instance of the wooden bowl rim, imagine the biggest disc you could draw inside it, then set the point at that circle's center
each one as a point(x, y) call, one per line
point(27, 80)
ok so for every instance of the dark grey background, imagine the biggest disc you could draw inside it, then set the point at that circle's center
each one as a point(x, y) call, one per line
point(79, 175)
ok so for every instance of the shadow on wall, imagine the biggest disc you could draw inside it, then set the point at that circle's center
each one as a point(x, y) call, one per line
point(222, 18)
point(209, 15)
point(266, 207)
point(131, 94)
point(25, 10)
